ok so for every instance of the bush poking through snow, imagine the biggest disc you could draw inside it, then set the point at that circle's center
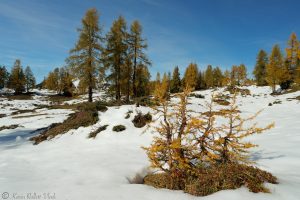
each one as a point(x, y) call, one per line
point(2, 115)
point(199, 96)
point(192, 149)
point(221, 102)
point(140, 120)
point(144, 101)
point(164, 180)
point(119, 128)
point(128, 114)
point(95, 133)
point(228, 176)
point(277, 102)
point(215, 178)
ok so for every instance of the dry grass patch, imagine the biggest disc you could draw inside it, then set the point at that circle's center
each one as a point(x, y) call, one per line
point(76, 120)
point(222, 102)
point(28, 116)
point(20, 97)
point(13, 126)
point(215, 178)
point(243, 92)
point(22, 111)
point(58, 99)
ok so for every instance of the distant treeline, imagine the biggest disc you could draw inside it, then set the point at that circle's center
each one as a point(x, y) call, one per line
point(18, 79)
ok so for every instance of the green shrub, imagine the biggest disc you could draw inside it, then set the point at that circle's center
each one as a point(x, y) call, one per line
point(141, 120)
point(101, 108)
point(127, 116)
point(277, 102)
point(119, 128)
point(145, 101)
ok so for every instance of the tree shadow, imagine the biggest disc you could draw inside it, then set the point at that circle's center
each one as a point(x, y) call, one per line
point(261, 155)
point(16, 138)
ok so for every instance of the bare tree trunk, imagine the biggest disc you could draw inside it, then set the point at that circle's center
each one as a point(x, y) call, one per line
point(128, 91)
point(90, 94)
point(134, 74)
point(118, 86)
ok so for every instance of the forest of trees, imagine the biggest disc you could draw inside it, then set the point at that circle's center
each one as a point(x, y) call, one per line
point(18, 79)
point(277, 69)
point(117, 59)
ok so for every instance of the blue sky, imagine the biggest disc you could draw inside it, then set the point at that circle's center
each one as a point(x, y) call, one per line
point(217, 32)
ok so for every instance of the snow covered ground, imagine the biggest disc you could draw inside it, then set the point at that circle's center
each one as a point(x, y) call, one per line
point(71, 166)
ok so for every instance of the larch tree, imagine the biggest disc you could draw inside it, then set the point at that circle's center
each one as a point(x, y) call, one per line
point(238, 75)
point(293, 54)
point(297, 76)
point(85, 57)
point(217, 77)
point(176, 81)
point(230, 144)
point(29, 79)
point(275, 68)
point(115, 54)
point(260, 68)
point(209, 77)
point(200, 81)
point(126, 80)
point(169, 151)
point(190, 76)
point(52, 81)
point(142, 80)
point(226, 78)
point(65, 82)
point(241, 74)
point(162, 87)
point(17, 78)
point(137, 45)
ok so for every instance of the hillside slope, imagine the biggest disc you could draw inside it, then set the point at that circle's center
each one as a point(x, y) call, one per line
point(72, 166)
